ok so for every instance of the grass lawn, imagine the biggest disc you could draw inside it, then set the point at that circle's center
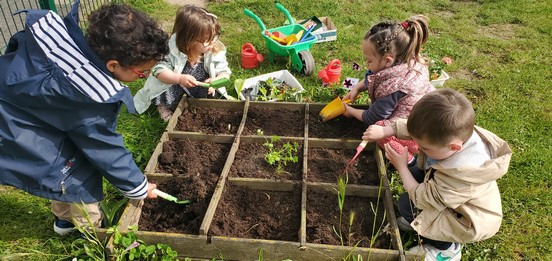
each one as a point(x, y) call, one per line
point(500, 63)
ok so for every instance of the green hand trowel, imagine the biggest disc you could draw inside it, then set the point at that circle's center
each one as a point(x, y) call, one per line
point(168, 197)
point(222, 82)
point(220, 85)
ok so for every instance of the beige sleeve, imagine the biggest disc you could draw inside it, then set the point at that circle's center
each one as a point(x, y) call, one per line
point(399, 127)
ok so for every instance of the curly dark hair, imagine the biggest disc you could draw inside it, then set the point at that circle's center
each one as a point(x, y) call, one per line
point(122, 33)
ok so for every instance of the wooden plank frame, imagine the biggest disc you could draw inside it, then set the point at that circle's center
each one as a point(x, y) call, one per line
point(203, 247)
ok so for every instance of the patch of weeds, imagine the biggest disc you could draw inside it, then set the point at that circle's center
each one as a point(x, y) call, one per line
point(129, 247)
point(112, 210)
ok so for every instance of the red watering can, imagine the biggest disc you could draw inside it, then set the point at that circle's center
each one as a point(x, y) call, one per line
point(332, 72)
point(249, 57)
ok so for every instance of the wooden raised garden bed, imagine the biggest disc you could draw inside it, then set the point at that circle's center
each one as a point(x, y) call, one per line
point(240, 207)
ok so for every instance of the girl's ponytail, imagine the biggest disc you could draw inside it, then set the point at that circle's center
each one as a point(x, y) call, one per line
point(417, 27)
point(403, 39)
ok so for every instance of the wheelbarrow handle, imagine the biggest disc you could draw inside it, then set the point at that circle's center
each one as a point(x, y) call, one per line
point(286, 12)
point(256, 18)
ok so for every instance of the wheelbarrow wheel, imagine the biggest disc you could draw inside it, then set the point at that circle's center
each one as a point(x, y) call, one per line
point(308, 63)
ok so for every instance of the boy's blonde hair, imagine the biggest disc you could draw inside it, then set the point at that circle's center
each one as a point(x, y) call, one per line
point(440, 116)
point(193, 23)
point(404, 39)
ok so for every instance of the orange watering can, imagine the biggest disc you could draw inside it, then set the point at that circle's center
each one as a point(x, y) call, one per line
point(332, 72)
point(249, 57)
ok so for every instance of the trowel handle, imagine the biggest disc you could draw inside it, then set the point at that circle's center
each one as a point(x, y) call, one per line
point(363, 144)
point(164, 195)
point(202, 84)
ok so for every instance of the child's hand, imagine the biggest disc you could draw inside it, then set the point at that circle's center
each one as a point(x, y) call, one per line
point(398, 159)
point(351, 95)
point(348, 111)
point(151, 187)
point(377, 132)
point(211, 91)
point(187, 81)
point(373, 133)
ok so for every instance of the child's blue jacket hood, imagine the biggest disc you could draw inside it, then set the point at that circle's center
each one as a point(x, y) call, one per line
point(58, 115)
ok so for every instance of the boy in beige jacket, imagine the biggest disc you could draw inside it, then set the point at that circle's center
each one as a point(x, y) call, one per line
point(452, 196)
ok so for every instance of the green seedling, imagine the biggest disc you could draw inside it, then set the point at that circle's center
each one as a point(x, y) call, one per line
point(280, 156)
point(341, 187)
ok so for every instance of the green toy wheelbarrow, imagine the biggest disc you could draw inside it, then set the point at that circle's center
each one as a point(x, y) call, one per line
point(299, 51)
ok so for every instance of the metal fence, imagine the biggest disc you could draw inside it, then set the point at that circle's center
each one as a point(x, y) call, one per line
point(10, 24)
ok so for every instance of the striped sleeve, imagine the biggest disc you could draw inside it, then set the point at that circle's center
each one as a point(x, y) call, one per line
point(54, 40)
point(139, 192)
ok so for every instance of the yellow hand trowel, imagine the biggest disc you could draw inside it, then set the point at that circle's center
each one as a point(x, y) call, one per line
point(293, 38)
point(333, 109)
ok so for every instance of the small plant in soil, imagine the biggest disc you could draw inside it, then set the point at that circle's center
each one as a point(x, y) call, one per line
point(276, 89)
point(436, 65)
point(280, 154)
point(341, 186)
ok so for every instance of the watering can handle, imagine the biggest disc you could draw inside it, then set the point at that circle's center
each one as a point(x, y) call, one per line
point(286, 12)
point(248, 46)
point(334, 63)
point(256, 18)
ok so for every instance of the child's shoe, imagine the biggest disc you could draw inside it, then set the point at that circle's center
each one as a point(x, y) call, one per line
point(63, 227)
point(404, 225)
point(453, 253)
point(164, 112)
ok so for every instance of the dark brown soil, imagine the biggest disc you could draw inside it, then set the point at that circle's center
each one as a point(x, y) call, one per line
point(198, 165)
point(325, 165)
point(247, 213)
point(258, 214)
point(209, 120)
point(188, 157)
point(280, 122)
point(250, 163)
point(323, 216)
point(165, 216)
point(339, 127)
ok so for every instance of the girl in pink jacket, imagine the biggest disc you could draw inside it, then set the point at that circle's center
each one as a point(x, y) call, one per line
point(397, 77)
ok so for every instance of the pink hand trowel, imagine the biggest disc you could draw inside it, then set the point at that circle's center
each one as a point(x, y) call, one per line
point(359, 149)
